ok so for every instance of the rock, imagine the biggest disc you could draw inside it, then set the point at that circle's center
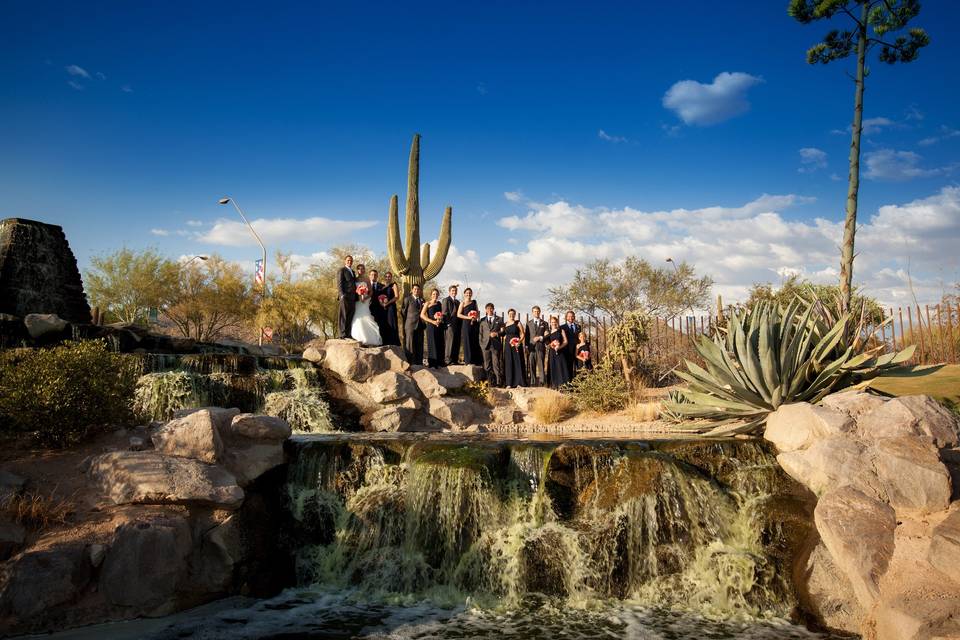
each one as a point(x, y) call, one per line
point(507, 415)
point(137, 443)
point(391, 386)
point(525, 397)
point(146, 563)
point(148, 477)
point(830, 463)
point(796, 426)
point(252, 445)
point(454, 412)
point(349, 361)
point(259, 427)
point(435, 383)
point(194, 433)
point(10, 484)
point(910, 415)
point(221, 550)
point(853, 402)
point(944, 551)
point(911, 474)
point(827, 593)
point(858, 532)
point(41, 324)
point(97, 553)
point(36, 581)
point(12, 536)
point(313, 354)
point(396, 417)
point(472, 372)
point(913, 617)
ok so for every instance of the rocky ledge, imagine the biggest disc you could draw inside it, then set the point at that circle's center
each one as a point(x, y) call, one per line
point(390, 394)
point(194, 518)
point(886, 475)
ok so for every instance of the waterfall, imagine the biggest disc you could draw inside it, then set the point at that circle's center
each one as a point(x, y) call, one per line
point(495, 523)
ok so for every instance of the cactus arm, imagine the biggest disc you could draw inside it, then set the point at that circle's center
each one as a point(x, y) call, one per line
point(431, 269)
point(425, 257)
point(394, 247)
point(413, 201)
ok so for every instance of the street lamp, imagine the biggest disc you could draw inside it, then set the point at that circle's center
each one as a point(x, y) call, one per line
point(228, 200)
point(184, 265)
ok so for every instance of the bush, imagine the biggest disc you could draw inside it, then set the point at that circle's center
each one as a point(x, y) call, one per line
point(37, 511)
point(602, 390)
point(305, 409)
point(478, 390)
point(553, 408)
point(61, 394)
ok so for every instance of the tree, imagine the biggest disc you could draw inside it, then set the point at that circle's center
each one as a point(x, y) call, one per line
point(607, 288)
point(211, 298)
point(793, 287)
point(127, 283)
point(296, 305)
point(876, 19)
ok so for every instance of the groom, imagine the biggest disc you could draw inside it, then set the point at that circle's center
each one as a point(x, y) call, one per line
point(347, 294)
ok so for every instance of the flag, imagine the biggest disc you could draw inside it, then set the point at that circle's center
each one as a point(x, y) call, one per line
point(258, 278)
point(267, 334)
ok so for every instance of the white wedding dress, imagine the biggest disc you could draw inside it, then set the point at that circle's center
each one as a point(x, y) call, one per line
point(364, 328)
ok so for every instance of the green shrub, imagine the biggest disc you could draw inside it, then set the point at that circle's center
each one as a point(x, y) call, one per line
point(478, 390)
point(603, 389)
point(61, 394)
point(306, 409)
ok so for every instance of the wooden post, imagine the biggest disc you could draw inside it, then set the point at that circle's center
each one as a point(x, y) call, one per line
point(893, 329)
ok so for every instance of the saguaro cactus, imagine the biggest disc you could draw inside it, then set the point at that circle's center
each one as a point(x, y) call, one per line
point(413, 265)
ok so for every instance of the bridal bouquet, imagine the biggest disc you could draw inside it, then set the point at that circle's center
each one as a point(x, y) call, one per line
point(362, 289)
point(514, 342)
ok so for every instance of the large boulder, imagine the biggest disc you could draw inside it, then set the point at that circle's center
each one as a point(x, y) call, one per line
point(796, 426)
point(252, 445)
point(944, 551)
point(348, 360)
point(472, 372)
point(911, 475)
point(194, 433)
point(435, 383)
point(858, 531)
point(37, 581)
point(148, 477)
point(853, 402)
point(41, 324)
point(910, 416)
point(456, 413)
point(827, 593)
point(830, 463)
point(221, 549)
point(391, 386)
point(395, 417)
point(525, 397)
point(147, 563)
point(915, 617)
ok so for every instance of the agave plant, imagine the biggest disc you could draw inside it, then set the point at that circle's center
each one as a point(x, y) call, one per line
point(769, 356)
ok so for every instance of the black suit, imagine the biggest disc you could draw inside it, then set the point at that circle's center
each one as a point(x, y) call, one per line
point(347, 294)
point(452, 338)
point(570, 353)
point(412, 329)
point(492, 348)
point(536, 350)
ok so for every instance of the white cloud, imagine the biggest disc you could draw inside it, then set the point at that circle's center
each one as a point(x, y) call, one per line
point(702, 104)
point(812, 159)
point(898, 166)
point(75, 85)
point(126, 88)
point(603, 135)
point(737, 246)
point(274, 231)
point(870, 126)
point(194, 223)
point(74, 70)
point(160, 232)
point(945, 133)
point(513, 196)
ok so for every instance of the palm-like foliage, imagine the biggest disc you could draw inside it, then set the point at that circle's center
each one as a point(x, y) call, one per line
point(770, 355)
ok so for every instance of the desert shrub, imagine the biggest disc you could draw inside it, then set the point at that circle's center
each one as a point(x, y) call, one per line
point(61, 394)
point(644, 411)
point(553, 408)
point(305, 409)
point(35, 510)
point(478, 390)
point(602, 390)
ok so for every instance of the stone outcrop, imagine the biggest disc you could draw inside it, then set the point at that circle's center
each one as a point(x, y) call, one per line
point(392, 395)
point(879, 467)
point(38, 272)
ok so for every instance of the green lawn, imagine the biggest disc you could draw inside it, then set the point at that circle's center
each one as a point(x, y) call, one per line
point(938, 381)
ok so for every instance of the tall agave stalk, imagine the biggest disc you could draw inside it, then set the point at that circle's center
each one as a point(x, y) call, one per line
point(413, 265)
point(770, 356)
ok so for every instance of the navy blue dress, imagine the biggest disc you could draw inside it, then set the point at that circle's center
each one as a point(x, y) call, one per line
point(435, 335)
point(558, 371)
point(470, 336)
point(513, 356)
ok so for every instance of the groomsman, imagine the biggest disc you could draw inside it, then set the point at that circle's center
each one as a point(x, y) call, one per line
point(571, 329)
point(491, 344)
point(452, 338)
point(413, 326)
point(537, 329)
point(347, 295)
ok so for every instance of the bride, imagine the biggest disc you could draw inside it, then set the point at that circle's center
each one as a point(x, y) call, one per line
point(364, 328)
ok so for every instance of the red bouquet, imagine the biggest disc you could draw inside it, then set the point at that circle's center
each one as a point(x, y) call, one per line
point(438, 315)
point(473, 314)
point(362, 289)
point(584, 355)
point(555, 344)
point(382, 298)
point(514, 342)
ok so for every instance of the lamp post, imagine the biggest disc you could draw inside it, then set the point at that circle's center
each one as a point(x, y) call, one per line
point(228, 200)
point(184, 265)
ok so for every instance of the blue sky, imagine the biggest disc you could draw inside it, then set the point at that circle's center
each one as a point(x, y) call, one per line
point(558, 133)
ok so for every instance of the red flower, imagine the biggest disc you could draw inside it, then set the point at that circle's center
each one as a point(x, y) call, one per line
point(438, 316)
point(382, 298)
point(362, 289)
point(473, 315)
point(555, 344)
point(584, 355)
point(514, 342)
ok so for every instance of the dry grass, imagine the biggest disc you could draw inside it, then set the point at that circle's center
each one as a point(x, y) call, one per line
point(37, 511)
point(643, 411)
point(553, 408)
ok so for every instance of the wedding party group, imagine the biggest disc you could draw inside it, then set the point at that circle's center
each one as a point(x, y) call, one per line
point(540, 353)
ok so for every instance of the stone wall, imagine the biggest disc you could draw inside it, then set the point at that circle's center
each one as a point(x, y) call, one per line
point(38, 272)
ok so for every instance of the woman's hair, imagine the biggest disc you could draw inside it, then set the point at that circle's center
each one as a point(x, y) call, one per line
point(582, 336)
point(361, 266)
point(435, 291)
point(388, 274)
point(468, 289)
point(513, 311)
point(555, 319)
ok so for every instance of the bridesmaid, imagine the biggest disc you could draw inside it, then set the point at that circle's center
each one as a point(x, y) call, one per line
point(432, 316)
point(584, 359)
point(469, 314)
point(392, 292)
point(556, 341)
point(513, 351)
